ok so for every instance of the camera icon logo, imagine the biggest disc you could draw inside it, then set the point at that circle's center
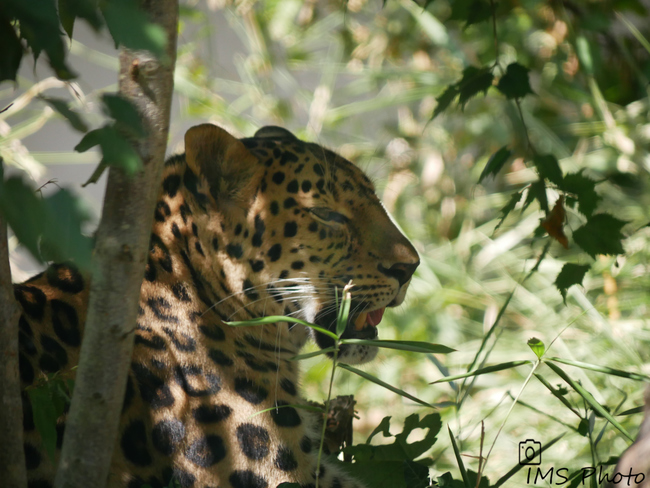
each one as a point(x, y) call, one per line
point(530, 453)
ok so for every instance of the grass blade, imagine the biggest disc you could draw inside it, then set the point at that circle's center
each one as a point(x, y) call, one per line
point(379, 382)
point(308, 355)
point(518, 466)
point(589, 399)
point(486, 370)
point(603, 369)
point(311, 408)
point(550, 388)
point(459, 460)
point(280, 318)
point(413, 346)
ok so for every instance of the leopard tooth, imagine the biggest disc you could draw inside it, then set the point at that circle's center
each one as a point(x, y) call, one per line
point(360, 321)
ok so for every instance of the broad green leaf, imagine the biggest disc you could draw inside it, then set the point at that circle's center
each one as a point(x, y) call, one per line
point(125, 114)
point(383, 427)
point(281, 318)
point(571, 274)
point(61, 106)
point(536, 346)
point(413, 346)
point(495, 163)
point(416, 475)
point(597, 407)
point(444, 100)
point(12, 51)
point(603, 369)
point(486, 370)
point(600, 235)
point(379, 382)
point(471, 11)
point(474, 81)
point(130, 27)
point(584, 190)
point(549, 168)
point(39, 26)
point(45, 418)
point(515, 83)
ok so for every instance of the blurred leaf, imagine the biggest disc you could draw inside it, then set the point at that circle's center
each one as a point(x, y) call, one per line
point(584, 190)
point(537, 191)
point(344, 312)
point(97, 173)
point(64, 109)
point(130, 27)
point(536, 346)
point(45, 418)
point(549, 168)
point(126, 116)
point(69, 10)
point(444, 100)
point(509, 207)
point(571, 274)
point(485, 370)
point(625, 180)
point(474, 81)
point(471, 11)
point(603, 369)
point(12, 51)
point(554, 223)
point(39, 26)
point(600, 235)
point(515, 83)
point(116, 150)
point(584, 53)
point(495, 163)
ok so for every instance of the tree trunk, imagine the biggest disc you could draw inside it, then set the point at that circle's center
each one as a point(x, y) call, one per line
point(12, 456)
point(118, 269)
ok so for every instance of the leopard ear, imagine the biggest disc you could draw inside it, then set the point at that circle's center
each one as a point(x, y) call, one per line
point(222, 159)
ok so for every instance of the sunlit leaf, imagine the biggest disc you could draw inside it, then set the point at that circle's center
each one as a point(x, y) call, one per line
point(536, 346)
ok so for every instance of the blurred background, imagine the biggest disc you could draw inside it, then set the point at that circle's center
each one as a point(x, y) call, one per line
point(362, 77)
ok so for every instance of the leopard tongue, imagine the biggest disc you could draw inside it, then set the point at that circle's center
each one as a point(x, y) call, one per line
point(371, 318)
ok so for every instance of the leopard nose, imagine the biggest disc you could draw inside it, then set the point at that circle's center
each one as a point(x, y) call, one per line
point(402, 272)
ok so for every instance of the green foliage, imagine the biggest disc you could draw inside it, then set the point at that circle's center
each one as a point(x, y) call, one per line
point(495, 164)
point(571, 274)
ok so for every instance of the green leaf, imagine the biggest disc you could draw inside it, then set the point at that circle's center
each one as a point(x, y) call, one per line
point(495, 163)
point(344, 312)
point(603, 369)
point(69, 10)
point(45, 418)
point(281, 318)
point(12, 51)
point(444, 100)
point(131, 27)
point(585, 191)
point(64, 109)
point(479, 11)
point(537, 191)
point(459, 460)
point(515, 83)
point(478, 372)
point(379, 382)
point(584, 54)
point(116, 150)
point(549, 168)
point(383, 427)
point(126, 116)
point(412, 346)
point(597, 407)
point(39, 26)
point(97, 173)
point(509, 207)
point(571, 274)
point(536, 346)
point(600, 235)
point(474, 81)
point(307, 355)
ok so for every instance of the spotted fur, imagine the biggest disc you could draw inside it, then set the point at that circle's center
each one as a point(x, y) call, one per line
point(267, 225)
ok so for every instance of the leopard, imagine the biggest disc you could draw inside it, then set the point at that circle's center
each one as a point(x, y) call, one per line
point(261, 226)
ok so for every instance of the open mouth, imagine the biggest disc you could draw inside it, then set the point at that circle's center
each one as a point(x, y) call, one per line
point(361, 325)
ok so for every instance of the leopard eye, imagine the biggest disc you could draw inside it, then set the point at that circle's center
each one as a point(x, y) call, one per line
point(328, 216)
